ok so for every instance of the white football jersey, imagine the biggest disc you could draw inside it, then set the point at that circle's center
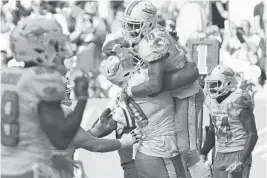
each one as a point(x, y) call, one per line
point(230, 133)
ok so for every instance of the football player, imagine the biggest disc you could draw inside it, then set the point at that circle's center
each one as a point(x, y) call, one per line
point(232, 125)
point(127, 125)
point(153, 45)
point(158, 139)
point(63, 159)
point(32, 117)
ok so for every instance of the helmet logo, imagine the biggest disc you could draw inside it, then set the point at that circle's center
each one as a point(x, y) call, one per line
point(131, 6)
point(228, 73)
point(150, 10)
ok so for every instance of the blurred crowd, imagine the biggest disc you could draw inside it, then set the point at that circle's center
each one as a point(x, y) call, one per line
point(242, 41)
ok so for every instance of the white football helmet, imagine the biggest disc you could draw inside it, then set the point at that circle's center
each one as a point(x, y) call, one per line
point(118, 72)
point(220, 81)
point(139, 18)
point(40, 41)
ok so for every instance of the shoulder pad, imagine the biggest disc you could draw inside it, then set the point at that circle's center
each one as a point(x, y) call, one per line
point(241, 101)
point(154, 46)
point(244, 101)
point(47, 84)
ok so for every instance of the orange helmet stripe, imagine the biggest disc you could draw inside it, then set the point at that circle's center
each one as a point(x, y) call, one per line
point(130, 7)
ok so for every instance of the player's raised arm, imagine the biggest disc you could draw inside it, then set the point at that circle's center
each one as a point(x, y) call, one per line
point(112, 125)
point(101, 123)
point(59, 130)
point(152, 85)
point(108, 121)
point(179, 77)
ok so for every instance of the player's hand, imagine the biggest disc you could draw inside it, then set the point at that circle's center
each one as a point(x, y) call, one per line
point(81, 82)
point(63, 165)
point(129, 139)
point(123, 42)
point(105, 116)
point(123, 52)
point(235, 167)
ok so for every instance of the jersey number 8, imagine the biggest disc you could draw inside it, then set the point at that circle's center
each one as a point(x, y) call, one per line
point(9, 118)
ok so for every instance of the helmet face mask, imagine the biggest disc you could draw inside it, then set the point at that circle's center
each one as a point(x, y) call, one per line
point(132, 30)
point(220, 81)
point(214, 88)
point(140, 17)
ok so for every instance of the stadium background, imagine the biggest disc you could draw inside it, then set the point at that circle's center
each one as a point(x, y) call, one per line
point(87, 34)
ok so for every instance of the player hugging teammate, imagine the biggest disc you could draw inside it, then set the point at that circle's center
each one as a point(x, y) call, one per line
point(159, 92)
point(153, 49)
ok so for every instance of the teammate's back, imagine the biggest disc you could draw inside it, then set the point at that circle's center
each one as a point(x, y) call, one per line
point(23, 140)
point(160, 45)
point(32, 116)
